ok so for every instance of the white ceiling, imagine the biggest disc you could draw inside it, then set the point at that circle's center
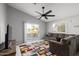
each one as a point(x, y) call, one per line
point(61, 10)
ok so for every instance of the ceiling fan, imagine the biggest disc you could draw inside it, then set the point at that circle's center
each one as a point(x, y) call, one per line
point(46, 14)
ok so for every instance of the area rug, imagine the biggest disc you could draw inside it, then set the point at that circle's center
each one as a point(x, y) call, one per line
point(35, 49)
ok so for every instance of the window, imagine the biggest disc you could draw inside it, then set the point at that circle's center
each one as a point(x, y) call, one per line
point(58, 27)
point(54, 26)
point(31, 30)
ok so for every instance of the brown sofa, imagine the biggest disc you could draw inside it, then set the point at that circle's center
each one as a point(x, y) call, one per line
point(62, 44)
point(54, 36)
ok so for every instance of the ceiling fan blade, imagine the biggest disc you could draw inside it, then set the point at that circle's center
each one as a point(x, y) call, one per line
point(48, 12)
point(40, 17)
point(46, 17)
point(38, 12)
point(50, 15)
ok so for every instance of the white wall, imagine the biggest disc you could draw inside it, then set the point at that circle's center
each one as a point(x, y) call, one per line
point(70, 25)
point(16, 19)
point(73, 25)
point(2, 22)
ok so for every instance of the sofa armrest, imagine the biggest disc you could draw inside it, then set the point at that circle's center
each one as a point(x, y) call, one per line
point(53, 41)
point(67, 38)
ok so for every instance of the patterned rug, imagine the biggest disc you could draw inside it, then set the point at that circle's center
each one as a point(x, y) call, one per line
point(35, 49)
